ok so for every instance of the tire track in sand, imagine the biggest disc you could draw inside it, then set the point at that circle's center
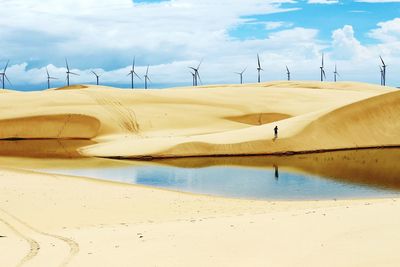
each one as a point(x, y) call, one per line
point(35, 247)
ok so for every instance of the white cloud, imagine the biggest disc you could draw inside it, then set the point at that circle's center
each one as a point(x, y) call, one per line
point(388, 31)
point(345, 45)
point(378, 1)
point(323, 2)
point(172, 35)
point(273, 25)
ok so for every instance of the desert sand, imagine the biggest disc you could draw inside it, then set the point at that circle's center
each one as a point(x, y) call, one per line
point(57, 220)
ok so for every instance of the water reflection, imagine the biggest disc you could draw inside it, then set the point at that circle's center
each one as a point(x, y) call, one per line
point(374, 167)
point(346, 174)
point(343, 174)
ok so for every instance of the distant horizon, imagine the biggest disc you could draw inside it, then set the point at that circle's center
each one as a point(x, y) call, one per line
point(22, 88)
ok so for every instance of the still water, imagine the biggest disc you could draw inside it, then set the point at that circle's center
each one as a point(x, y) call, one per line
point(334, 175)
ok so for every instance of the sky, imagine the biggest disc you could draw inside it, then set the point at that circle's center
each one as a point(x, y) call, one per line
point(171, 35)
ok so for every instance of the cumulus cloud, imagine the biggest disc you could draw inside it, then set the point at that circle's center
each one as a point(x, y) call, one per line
point(345, 45)
point(170, 36)
point(388, 31)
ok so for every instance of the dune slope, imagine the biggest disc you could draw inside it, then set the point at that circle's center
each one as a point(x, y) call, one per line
point(209, 120)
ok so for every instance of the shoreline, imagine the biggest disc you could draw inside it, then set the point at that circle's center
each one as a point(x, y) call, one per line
point(282, 154)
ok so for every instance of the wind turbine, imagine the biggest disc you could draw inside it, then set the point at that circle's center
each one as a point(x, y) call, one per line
point(146, 77)
point(196, 73)
point(383, 72)
point(259, 69)
point(3, 75)
point(133, 72)
point(69, 72)
point(288, 73)
point(193, 78)
point(322, 69)
point(49, 78)
point(241, 75)
point(335, 74)
point(97, 77)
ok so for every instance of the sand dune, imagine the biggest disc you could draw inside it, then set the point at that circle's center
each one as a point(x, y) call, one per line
point(260, 118)
point(209, 120)
point(50, 127)
point(43, 148)
point(56, 220)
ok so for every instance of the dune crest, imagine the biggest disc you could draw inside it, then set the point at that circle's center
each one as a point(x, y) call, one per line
point(259, 119)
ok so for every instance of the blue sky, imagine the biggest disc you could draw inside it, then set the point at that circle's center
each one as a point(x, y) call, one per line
point(325, 17)
point(172, 35)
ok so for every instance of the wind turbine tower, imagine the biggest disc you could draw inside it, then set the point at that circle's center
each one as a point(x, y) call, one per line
point(196, 74)
point(335, 74)
point(323, 76)
point(97, 77)
point(288, 73)
point(241, 75)
point(69, 72)
point(259, 69)
point(146, 77)
point(49, 78)
point(3, 76)
point(383, 73)
point(133, 72)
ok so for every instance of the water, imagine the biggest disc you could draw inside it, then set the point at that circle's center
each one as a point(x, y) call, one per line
point(336, 175)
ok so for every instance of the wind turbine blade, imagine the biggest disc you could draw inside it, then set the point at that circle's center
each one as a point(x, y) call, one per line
point(133, 62)
point(5, 68)
point(192, 68)
point(95, 73)
point(66, 63)
point(147, 71)
point(323, 73)
point(149, 79)
point(137, 76)
point(383, 62)
point(201, 61)
point(258, 60)
point(53, 78)
point(74, 74)
point(47, 71)
point(198, 75)
point(5, 76)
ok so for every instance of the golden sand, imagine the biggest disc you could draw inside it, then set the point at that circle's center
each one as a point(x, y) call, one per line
point(56, 220)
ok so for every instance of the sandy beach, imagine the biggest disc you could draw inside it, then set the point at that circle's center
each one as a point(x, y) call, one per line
point(58, 220)
point(53, 220)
